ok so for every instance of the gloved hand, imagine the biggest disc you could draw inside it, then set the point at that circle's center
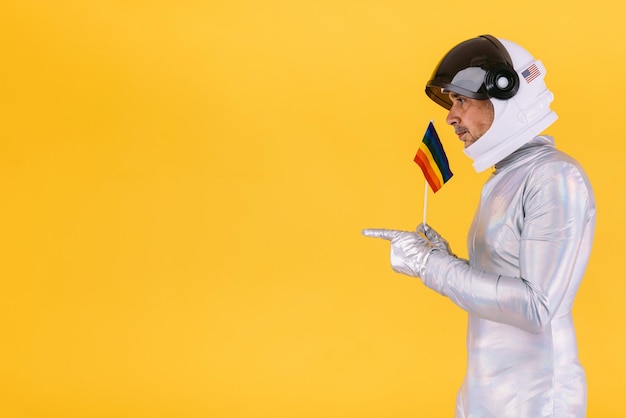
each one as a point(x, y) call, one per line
point(435, 239)
point(409, 250)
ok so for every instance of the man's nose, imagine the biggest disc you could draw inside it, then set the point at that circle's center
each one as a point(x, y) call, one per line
point(452, 117)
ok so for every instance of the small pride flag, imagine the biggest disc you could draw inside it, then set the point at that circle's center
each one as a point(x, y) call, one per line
point(432, 159)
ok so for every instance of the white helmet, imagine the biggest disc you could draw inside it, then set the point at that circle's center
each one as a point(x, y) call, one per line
point(487, 68)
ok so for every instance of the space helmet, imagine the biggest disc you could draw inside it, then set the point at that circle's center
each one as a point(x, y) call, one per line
point(488, 68)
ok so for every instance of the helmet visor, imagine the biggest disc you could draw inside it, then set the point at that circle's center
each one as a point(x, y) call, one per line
point(463, 70)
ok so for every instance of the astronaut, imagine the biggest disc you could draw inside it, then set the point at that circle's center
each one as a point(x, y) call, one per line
point(528, 245)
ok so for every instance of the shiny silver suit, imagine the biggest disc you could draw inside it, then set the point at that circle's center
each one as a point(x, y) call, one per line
point(528, 249)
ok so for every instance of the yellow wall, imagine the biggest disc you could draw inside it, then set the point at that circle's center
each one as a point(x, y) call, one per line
point(182, 189)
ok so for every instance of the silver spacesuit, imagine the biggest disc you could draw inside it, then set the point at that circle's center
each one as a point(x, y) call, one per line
point(528, 245)
point(528, 248)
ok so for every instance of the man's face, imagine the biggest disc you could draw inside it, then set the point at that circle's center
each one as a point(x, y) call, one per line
point(470, 118)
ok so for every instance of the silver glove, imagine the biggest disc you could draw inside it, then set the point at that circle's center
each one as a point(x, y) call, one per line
point(435, 239)
point(409, 250)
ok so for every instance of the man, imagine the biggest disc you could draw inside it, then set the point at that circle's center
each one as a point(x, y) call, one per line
point(528, 245)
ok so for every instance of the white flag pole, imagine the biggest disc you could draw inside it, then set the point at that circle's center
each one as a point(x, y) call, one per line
point(425, 200)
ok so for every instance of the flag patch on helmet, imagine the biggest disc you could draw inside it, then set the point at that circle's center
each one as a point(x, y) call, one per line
point(531, 73)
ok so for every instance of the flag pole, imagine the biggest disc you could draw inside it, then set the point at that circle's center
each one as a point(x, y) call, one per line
point(425, 200)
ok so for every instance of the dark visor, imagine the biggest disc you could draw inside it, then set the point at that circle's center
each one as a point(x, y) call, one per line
point(463, 69)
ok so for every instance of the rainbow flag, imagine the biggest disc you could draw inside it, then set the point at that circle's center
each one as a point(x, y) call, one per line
point(432, 159)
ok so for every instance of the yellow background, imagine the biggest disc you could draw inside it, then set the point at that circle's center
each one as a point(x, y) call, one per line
point(183, 184)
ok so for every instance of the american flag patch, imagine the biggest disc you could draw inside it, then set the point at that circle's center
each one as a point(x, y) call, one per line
point(531, 73)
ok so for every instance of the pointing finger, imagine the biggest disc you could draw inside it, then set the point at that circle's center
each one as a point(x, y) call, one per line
point(387, 234)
